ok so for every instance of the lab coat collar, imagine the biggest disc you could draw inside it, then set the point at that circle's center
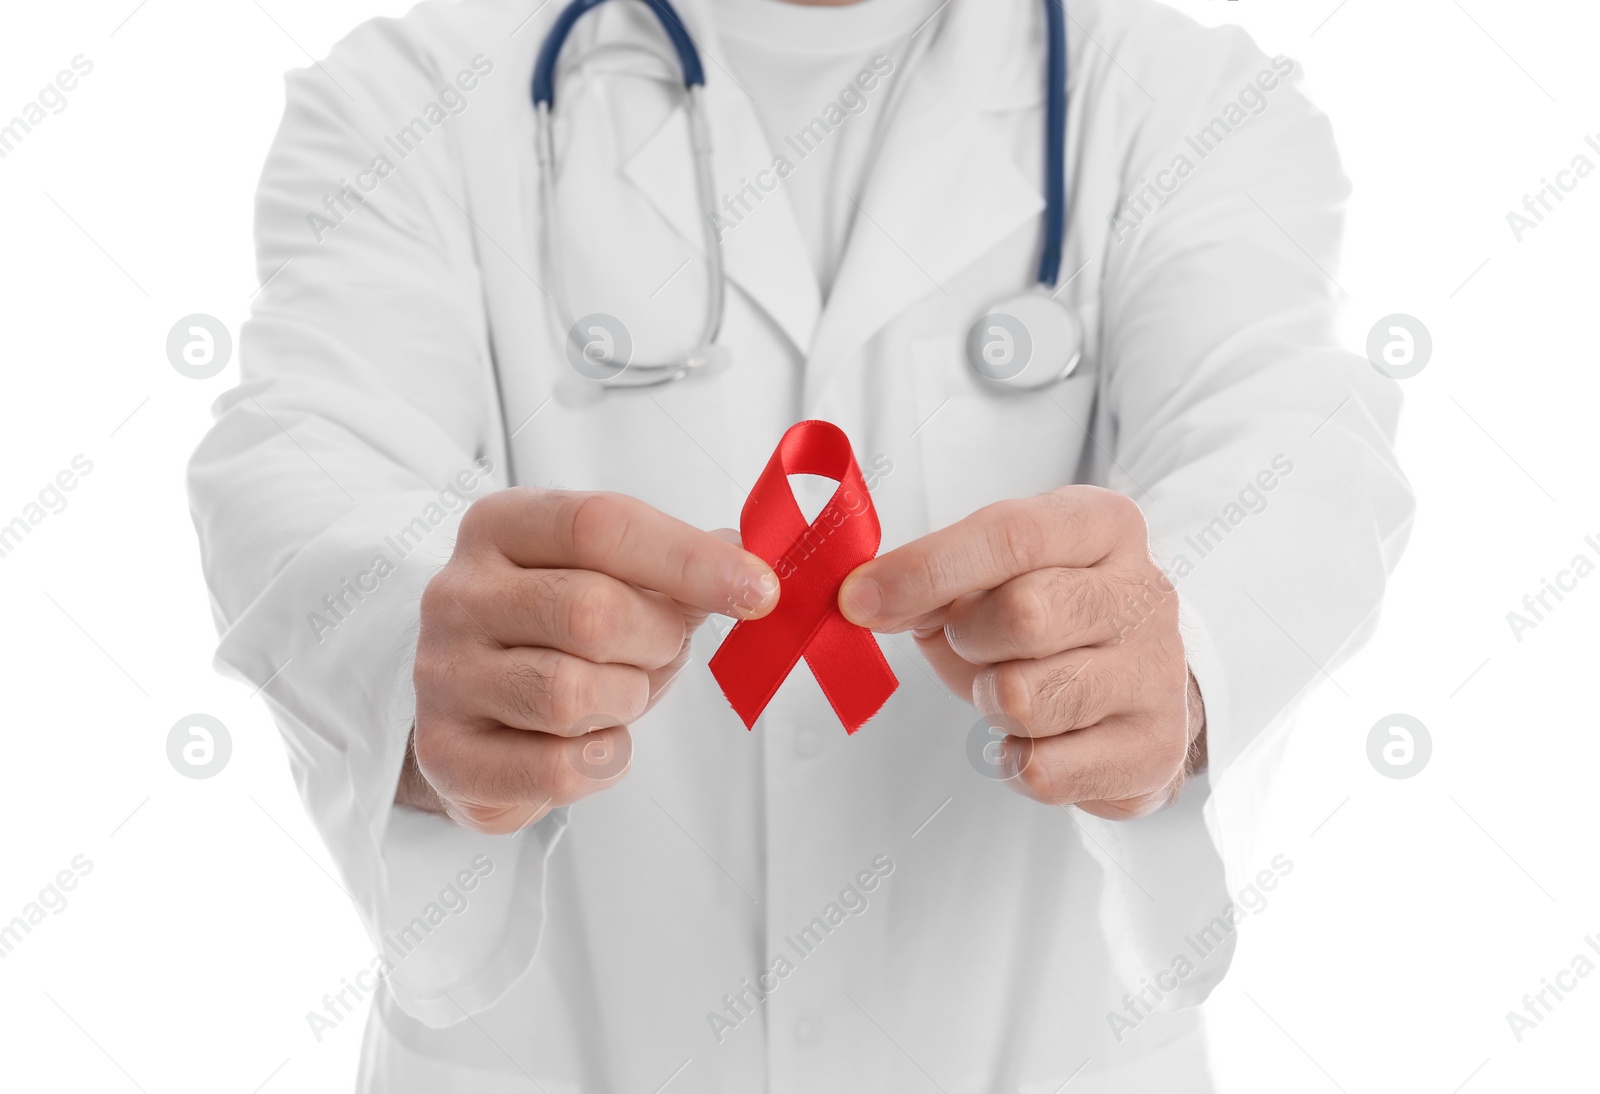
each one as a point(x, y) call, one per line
point(764, 253)
point(943, 190)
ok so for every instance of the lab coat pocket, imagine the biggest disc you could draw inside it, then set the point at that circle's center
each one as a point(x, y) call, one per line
point(980, 444)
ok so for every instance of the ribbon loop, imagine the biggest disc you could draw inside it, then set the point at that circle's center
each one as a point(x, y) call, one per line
point(811, 561)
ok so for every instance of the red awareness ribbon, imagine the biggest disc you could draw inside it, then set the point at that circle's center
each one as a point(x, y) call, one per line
point(811, 561)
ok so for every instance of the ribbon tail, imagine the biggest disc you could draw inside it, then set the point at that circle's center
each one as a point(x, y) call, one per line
point(750, 666)
point(852, 672)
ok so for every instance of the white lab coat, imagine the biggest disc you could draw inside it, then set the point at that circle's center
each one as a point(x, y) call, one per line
point(413, 338)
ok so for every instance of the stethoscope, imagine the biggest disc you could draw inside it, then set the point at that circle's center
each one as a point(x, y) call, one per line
point(1025, 342)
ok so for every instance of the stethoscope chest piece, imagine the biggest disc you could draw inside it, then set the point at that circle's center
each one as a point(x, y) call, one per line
point(1026, 342)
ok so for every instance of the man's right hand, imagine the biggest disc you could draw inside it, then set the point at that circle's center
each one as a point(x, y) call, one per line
point(560, 618)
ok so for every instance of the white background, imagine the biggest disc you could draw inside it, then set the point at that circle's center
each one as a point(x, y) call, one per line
point(1419, 910)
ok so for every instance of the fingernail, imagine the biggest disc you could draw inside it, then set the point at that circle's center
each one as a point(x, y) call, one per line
point(753, 593)
point(860, 600)
point(985, 696)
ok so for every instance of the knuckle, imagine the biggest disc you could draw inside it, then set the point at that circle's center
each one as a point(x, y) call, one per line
point(1131, 516)
point(449, 608)
point(1026, 609)
point(1120, 504)
point(1083, 598)
point(1139, 587)
point(533, 595)
point(909, 576)
point(598, 523)
point(932, 572)
point(569, 694)
point(1169, 711)
point(441, 595)
point(1140, 598)
point(1022, 540)
point(1118, 508)
point(1099, 780)
point(1067, 511)
point(500, 787)
point(476, 520)
point(1073, 693)
point(1013, 691)
point(673, 647)
point(600, 757)
point(476, 529)
point(1062, 783)
point(557, 775)
point(1170, 745)
point(435, 671)
point(1044, 782)
point(426, 674)
point(438, 750)
point(529, 690)
point(593, 613)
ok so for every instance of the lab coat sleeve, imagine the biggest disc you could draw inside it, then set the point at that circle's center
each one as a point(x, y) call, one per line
point(1259, 450)
point(329, 490)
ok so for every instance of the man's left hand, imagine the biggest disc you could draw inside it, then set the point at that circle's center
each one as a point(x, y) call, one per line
point(1051, 616)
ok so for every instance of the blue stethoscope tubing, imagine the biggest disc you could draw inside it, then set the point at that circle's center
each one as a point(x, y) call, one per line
point(1055, 142)
point(544, 69)
point(543, 90)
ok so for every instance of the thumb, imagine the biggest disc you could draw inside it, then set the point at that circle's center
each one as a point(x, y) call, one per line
point(692, 616)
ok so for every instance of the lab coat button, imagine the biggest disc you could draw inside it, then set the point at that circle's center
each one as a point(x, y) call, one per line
point(807, 742)
point(807, 1033)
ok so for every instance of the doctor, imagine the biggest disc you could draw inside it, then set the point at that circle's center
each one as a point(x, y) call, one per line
point(479, 596)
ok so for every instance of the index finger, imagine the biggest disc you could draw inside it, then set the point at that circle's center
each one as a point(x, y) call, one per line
point(625, 538)
point(1076, 527)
